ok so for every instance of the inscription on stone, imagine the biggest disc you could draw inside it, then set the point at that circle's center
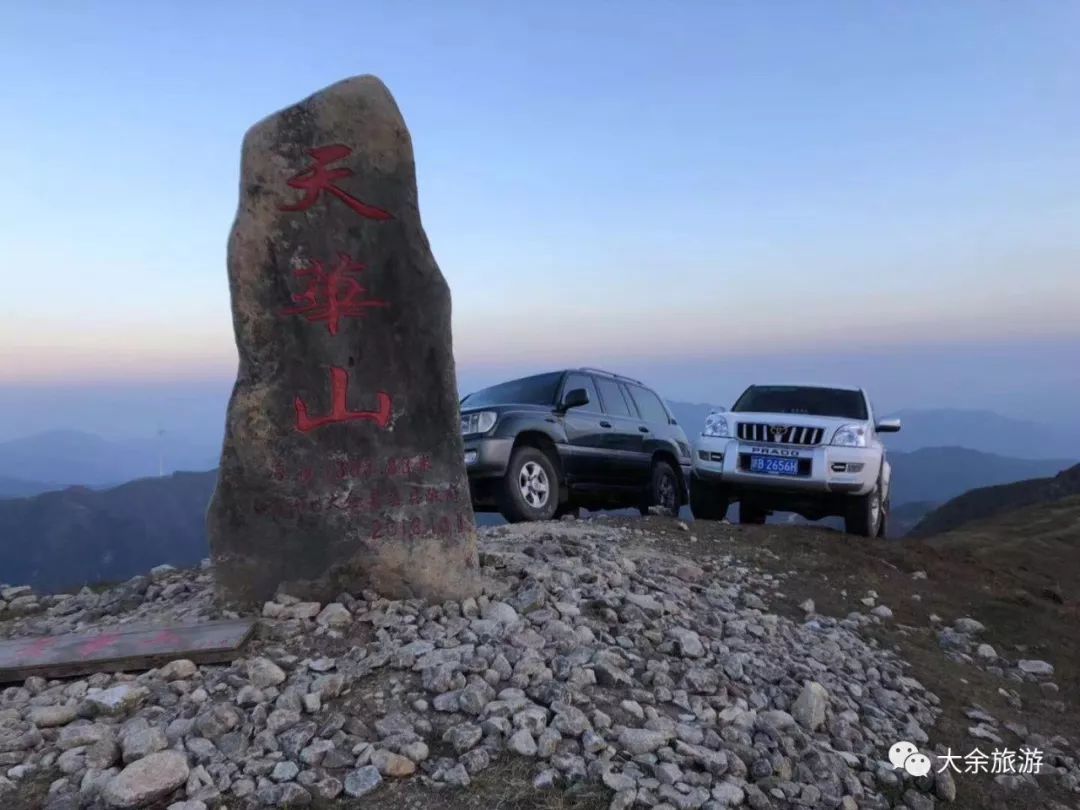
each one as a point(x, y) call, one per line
point(342, 466)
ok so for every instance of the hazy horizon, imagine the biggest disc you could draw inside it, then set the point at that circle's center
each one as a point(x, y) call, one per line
point(1043, 387)
point(874, 194)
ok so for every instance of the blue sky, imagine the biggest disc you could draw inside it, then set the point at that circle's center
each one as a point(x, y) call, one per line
point(606, 183)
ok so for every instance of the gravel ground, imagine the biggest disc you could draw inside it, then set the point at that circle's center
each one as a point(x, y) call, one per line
point(603, 660)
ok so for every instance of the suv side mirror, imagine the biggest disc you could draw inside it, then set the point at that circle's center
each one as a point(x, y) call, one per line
point(888, 426)
point(574, 398)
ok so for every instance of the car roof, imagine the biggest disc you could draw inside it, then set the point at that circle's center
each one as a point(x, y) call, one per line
point(806, 385)
point(603, 373)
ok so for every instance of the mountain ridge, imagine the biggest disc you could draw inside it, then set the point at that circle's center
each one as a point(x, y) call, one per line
point(983, 503)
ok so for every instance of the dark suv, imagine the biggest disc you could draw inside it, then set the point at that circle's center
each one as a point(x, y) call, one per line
point(546, 445)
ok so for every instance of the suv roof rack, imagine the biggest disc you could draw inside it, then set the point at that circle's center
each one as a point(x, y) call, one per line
point(611, 374)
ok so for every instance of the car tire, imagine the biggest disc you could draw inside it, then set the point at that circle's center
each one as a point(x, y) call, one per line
point(530, 488)
point(707, 502)
point(663, 490)
point(883, 528)
point(865, 514)
point(751, 515)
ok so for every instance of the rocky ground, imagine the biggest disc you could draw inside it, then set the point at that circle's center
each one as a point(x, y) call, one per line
point(621, 663)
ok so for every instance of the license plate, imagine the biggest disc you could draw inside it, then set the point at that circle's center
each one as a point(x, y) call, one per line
point(770, 465)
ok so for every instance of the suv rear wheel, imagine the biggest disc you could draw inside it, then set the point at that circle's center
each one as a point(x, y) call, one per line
point(530, 488)
point(866, 514)
point(663, 490)
point(707, 502)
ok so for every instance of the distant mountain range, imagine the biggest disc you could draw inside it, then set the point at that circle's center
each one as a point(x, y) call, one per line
point(936, 474)
point(21, 488)
point(62, 458)
point(63, 540)
point(984, 431)
point(71, 457)
point(986, 502)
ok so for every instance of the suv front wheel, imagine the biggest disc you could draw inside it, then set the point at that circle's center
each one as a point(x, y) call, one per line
point(530, 488)
point(707, 502)
point(866, 514)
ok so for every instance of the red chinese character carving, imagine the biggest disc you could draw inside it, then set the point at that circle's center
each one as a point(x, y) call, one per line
point(163, 638)
point(316, 179)
point(339, 410)
point(37, 648)
point(332, 296)
point(95, 645)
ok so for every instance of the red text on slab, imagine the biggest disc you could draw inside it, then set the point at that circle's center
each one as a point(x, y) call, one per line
point(163, 638)
point(339, 409)
point(95, 645)
point(316, 179)
point(37, 648)
point(331, 296)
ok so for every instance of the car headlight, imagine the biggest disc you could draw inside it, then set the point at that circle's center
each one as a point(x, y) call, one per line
point(716, 425)
point(850, 436)
point(479, 422)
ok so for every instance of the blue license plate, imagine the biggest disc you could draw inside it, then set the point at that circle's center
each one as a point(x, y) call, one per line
point(770, 465)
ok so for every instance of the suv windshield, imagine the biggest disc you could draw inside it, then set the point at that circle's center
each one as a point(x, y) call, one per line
point(537, 390)
point(805, 400)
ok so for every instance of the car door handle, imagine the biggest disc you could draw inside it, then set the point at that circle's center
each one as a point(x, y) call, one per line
point(605, 424)
point(643, 429)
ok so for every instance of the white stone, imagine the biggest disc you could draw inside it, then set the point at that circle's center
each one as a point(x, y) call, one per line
point(52, 716)
point(969, 626)
point(641, 740)
point(1034, 667)
point(179, 670)
point(149, 779)
point(809, 708)
point(334, 614)
point(118, 699)
point(500, 612)
point(522, 743)
point(262, 672)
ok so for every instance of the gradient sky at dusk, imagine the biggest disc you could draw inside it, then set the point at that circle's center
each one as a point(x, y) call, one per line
point(629, 184)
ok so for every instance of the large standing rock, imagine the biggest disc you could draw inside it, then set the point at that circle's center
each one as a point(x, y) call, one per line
point(343, 463)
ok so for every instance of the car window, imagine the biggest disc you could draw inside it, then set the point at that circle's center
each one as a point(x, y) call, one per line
point(538, 390)
point(612, 397)
point(840, 402)
point(648, 404)
point(583, 381)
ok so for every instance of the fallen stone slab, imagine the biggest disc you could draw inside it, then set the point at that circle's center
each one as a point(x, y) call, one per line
point(120, 649)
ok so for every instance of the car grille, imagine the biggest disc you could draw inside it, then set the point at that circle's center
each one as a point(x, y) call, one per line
point(770, 434)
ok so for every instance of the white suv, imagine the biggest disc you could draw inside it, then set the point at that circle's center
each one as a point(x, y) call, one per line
point(795, 448)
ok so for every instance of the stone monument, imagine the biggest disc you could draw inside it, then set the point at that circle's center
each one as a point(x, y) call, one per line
point(342, 466)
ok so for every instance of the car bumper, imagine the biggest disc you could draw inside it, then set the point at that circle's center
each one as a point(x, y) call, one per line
point(487, 458)
point(827, 469)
